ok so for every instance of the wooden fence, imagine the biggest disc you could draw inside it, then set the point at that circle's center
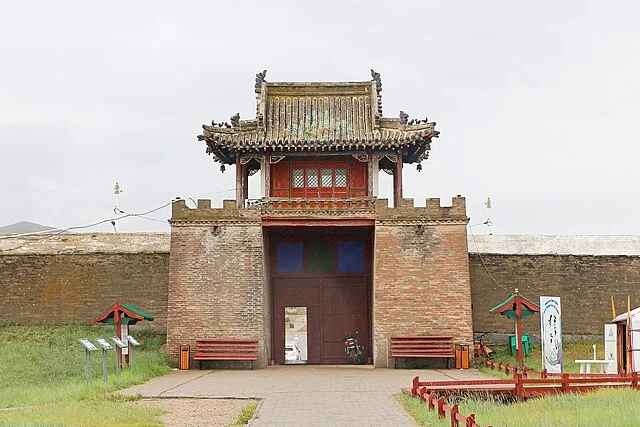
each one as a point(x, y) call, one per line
point(520, 387)
point(440, 405)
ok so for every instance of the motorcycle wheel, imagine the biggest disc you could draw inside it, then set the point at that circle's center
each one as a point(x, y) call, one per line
point(356, 356)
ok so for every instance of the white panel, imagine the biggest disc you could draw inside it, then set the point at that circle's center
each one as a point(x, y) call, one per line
point(551, 334)
point(610, 348)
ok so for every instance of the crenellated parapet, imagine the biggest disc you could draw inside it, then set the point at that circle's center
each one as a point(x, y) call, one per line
point(181, 214)
point(432, 213)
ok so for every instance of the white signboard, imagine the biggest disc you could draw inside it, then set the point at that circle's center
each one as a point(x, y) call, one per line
point(88, 344)
point(104, 343)
point(119, 342)
point(611, 348)
point(551, 334)
point(124, 331)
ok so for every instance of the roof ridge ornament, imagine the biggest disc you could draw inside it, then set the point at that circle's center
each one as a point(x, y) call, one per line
point(235, 120)
point(260, 78)
point(377, 79)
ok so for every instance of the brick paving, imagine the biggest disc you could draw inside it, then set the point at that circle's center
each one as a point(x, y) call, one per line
point(305, 395)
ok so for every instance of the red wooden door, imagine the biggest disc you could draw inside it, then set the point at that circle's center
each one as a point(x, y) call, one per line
point(336, 307)
point(297, 292)
point(345, 310)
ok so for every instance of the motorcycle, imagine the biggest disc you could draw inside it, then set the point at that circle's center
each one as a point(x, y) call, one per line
point(352, 349)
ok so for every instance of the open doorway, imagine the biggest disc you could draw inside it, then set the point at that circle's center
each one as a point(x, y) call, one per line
point(295, 335)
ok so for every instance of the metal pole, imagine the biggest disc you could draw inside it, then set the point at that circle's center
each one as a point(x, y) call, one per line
point(132, 359)
point(87, 368)
point(105, 373)
point(118, 360)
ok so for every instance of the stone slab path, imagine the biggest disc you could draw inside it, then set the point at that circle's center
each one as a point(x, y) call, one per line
point(306, 395)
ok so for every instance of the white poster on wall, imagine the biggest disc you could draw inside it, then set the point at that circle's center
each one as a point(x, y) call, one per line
point(611, 348)
point(551, 334)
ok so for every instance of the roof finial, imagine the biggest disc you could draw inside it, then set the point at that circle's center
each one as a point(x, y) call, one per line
point(517, 291)
point(377, 79)
point(403, 117)
point(235, 120)
point(260, 78)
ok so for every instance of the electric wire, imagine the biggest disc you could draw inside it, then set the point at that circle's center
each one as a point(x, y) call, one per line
point(53, 232)
point(483, 263)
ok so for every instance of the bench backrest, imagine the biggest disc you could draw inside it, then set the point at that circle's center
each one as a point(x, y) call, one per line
point(227, 346)
point(428, 344)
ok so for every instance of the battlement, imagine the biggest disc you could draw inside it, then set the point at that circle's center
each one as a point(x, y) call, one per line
point(345, 208)
point(432, 211)
point(180, 212)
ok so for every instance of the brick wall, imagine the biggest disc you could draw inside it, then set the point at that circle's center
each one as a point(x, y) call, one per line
point(66, 288)
point(584, 283)
point(216, 278)
point(421, 280)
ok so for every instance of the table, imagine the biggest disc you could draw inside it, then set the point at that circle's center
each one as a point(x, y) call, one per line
point(588, 363)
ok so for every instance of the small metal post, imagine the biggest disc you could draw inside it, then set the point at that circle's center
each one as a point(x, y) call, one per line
point(132, 358)
point(87, 368)
point(105, 372)
point(132, 342)
point(118, 361)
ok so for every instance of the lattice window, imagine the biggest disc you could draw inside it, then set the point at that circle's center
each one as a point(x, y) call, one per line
point(297, 176)
point(326, 176)
point(341, 177)
point(312, 177)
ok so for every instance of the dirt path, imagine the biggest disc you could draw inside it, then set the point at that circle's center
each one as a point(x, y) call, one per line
point(184, 412)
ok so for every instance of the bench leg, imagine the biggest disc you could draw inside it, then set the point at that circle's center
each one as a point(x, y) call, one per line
point(200, 364)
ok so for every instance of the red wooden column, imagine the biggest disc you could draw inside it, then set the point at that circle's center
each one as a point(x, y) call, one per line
point(267, 175)
point(245, 182)
point(239, 181)
point(397, 182)
point(370, 176)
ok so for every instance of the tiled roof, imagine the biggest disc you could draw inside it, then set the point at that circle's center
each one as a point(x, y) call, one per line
point(317, 117)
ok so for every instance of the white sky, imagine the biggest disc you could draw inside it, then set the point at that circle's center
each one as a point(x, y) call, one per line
point(536, 102)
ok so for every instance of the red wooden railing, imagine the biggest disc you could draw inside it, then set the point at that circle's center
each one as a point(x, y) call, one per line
point(521, 387)
point(440, 405)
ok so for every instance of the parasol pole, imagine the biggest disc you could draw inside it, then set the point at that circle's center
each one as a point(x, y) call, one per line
point(519, 356)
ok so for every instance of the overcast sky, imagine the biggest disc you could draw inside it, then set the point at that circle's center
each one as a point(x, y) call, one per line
point(537, 104)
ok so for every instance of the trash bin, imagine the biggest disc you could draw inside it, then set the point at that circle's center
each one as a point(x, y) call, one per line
point(462, 356)
point(184, 357)
point(526, 344)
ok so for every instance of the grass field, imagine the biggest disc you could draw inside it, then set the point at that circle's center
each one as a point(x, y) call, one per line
point(42, 377)
point(571, 351)
point(617, 407)
point(606, 407)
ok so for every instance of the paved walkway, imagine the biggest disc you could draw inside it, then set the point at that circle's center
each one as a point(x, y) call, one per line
point(306, 395)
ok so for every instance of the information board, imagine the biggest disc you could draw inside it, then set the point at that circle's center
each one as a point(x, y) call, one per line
point(104, 343)
point(88, 344)
point(551, 334)
point(119, 342)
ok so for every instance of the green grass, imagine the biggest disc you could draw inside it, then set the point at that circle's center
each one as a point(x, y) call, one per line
point(42, 377)
point(602, 408)
point(571, 351)
point(246, 414)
